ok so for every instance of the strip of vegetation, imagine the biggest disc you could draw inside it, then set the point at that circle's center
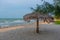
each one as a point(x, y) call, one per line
point(57, 22)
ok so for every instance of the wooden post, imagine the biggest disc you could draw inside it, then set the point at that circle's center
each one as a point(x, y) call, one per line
point(37, 29)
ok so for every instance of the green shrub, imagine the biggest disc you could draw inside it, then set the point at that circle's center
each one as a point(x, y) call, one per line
point(57, 22)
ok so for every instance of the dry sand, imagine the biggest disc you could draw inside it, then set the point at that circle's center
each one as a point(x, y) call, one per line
point(27, 32)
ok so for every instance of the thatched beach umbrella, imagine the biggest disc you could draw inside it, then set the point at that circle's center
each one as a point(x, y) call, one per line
point(36, 16)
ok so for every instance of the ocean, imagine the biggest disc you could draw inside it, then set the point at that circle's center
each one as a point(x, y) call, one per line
point(8, 22)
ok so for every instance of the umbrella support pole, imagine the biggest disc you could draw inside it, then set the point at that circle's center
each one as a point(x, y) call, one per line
point(37, 28)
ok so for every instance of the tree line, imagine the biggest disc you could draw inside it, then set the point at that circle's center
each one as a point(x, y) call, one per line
point(47, 8)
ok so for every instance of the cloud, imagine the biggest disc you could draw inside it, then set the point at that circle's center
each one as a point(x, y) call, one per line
point(6, 4)
point(14, 8)
point(19, 1)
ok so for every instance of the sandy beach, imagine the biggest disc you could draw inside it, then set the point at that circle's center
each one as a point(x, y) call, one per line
point(27, 32)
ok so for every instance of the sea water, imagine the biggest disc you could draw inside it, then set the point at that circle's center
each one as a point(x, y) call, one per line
point(8, 22)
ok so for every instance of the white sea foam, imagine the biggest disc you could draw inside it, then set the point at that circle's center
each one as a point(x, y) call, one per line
point(4, 26)
point(8, 23)
point(1, 23)
point(19, 21)
point(11, 23)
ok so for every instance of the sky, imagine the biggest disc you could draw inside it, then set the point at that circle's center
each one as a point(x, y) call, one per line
point(17, 8)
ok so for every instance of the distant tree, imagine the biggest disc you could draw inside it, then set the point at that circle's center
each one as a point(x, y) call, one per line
point(57, 2)
point(48, 7)
point(57, 11)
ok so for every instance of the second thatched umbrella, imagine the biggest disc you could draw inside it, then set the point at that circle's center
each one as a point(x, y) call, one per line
point(36, 16)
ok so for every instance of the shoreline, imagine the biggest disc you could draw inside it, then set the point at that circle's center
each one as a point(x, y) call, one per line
point(4, 29)
point(10, 28)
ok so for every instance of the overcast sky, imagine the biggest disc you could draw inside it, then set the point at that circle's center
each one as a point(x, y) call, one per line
point(17, 8)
